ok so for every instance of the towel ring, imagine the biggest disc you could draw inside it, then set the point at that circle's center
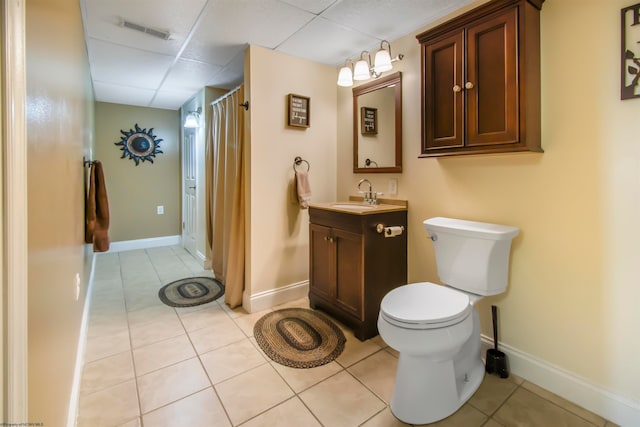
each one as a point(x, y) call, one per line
point(298, 161)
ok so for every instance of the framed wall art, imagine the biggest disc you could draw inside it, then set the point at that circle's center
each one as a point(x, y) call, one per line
point(368, 121)
point(298, 111)
point(139, 144)
point(630, 67)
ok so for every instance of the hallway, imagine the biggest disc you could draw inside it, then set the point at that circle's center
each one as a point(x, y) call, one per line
point(147, 364)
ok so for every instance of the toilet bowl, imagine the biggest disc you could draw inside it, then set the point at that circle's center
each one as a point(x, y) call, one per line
point(436, 328)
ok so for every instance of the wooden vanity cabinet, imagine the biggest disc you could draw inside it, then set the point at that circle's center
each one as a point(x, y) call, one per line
point(481, 81)
point(352, 266)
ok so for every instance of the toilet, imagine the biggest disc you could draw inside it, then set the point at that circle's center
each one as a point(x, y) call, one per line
point(435, 328)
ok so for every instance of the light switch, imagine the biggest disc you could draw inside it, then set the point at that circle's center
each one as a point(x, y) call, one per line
point(393, 186)
point(160, 210)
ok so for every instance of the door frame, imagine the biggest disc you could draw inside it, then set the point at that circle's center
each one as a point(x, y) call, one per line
point(14, 395)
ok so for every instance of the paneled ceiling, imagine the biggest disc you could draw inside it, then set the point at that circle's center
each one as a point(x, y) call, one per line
point(208, 38)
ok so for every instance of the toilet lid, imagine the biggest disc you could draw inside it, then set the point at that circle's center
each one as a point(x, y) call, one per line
point(425, 303)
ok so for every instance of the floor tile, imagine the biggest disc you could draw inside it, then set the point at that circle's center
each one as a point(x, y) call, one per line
point(151, 332)
point(565, 404)
point(341, 401)
point(105, 346)
point(202, 318)
point(151, 314)
point(356, 350)
point(107, 372)
point(200, 409)
point(525, 408)
point(467, 416)
point(222, 332)
point(492, 393)
point(302, 379)
point(178, 353)
point(246, 321)
point(172, 383)
point(111, 406)
point(291, 413)
point(384, 419)
point(378, 373)
point(234, 359)
point(262, 387)
point(162, 354)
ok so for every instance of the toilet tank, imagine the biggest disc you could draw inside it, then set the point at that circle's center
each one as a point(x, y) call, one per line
point(472, 256)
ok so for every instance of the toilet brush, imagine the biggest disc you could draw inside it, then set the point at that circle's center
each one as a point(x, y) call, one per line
point(496, 362)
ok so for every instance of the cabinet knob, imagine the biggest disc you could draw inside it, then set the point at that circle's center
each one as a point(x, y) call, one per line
point(468, 85)
point(457, 88)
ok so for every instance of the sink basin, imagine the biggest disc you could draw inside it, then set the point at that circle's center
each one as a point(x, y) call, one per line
point(352, 206)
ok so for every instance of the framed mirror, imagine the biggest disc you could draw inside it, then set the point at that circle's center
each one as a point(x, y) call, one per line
point(377, 125)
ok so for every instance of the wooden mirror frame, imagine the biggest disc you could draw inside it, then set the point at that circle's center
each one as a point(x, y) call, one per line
point(382, 82)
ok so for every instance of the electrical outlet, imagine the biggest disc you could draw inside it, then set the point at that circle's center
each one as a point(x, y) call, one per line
point(160, 210)
point(393, 186)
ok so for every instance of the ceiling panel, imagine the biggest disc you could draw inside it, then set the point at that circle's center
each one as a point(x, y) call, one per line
point(189, 75)
point(209, 37)
point(229, 25)
point(119, 64)
point(174, 16)
point(313, 6)
point(326, 42)
point(119, 94)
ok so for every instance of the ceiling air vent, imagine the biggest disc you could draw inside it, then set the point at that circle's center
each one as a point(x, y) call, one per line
point(164, 35)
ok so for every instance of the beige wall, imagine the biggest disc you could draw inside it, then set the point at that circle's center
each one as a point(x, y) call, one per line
point(60, 125)
point(277, 228)
point(135, 191)
point(573, 295)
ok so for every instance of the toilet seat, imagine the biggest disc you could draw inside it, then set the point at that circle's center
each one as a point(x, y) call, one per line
point(425, 305)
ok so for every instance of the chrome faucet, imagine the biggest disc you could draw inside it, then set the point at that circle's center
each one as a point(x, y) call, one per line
point(369, 196)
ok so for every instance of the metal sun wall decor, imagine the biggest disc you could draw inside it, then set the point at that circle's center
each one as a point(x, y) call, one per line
point(630, 69)
point(139, 144)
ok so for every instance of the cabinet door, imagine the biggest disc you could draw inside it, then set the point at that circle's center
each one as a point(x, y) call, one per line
point(322, 274)
point(491, 85)
point(442, 92)
point(349, 251)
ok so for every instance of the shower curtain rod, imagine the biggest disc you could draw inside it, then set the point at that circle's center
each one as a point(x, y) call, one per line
point(228, 94)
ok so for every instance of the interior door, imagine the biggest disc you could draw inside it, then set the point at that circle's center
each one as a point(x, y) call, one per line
point(189, 190)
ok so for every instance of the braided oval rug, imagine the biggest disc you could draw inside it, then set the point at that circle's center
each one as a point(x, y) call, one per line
point(299, 337)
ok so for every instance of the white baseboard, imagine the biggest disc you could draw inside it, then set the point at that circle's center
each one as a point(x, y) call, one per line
point(267, 299)
point(129, 245)
point(82, 345)
point(201, 257)
point(618, 409)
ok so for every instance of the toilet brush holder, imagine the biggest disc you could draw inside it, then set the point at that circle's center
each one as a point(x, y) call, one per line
point(496, 361)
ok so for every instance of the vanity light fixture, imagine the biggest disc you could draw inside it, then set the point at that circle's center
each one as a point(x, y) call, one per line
point(361, 71)
point(191, 119)
point(345, 76)
point(383, 61)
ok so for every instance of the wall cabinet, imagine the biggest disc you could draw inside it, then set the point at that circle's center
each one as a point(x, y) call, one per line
point(352, 266)
point(481, 81)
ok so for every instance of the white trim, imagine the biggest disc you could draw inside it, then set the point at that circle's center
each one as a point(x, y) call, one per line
point(618, 409)
point(14, 141)
point(267, 299)
point(153, 242)
point(200, 257)
point(82, 345)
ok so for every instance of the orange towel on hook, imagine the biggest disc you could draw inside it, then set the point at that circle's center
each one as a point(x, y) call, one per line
point(303, 189)
point(97, 210)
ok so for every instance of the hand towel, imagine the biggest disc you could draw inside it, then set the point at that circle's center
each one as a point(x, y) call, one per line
point(97, 210)
point(303, 189)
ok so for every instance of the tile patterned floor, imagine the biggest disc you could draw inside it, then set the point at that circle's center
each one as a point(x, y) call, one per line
point(151, 365)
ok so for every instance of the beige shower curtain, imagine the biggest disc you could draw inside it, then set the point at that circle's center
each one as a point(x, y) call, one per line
point(225, 194)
